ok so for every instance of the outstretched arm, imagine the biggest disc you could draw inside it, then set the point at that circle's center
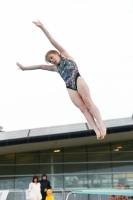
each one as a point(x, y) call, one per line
point(44, 67)
point(51, 39)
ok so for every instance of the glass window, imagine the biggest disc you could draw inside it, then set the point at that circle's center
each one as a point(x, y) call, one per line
point(7, 170)
point(51, 169)
point(51, 158)
point(56, 181)
point(75, 154)
point(122, 146)
point(57, 157)
point(26, 169)
point(99, 167)
point(74, 157)
point(75, 168)
point(24, 158)
point(23, 182)
point(47, 168)
point(122, 167)
point(7, 159)
point(6, 183)
point(98, 157)
point(123, 178)
point(75, 181)
point(122, 156)
point(100, 180)
point(129, 178)
point(45, 158)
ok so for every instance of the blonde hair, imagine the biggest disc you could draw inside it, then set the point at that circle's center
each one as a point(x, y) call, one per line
point(50, 52)
point(50, 191)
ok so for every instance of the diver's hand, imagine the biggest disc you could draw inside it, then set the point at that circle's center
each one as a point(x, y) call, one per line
point(38, 23)
point(20, 66)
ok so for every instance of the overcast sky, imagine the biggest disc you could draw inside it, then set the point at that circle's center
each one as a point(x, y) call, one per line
point(97, 33)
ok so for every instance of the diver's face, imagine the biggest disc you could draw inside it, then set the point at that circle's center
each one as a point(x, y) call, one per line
point(54, 58)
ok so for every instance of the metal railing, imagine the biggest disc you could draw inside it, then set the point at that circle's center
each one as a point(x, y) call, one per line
point(67, 195)
point(59, 194)
point(86, 197)
point(12, 195)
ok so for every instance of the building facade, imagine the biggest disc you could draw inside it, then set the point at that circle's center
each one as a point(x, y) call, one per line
point(77, 163)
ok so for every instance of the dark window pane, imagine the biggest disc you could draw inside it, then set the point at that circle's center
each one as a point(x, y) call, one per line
point(45, 158)
point(57, 169)
point(122, 156)
point(51, 158)
point(98, 157)
point(27, 169)
point(122, 167)
point(75, 157)
point(122, 146)
point(45, 169)
point(7, 159)
point(51, 169)
point(57, 157)
point(75, 168)
point(6, 170)
point(24, 158)
point(99, 167)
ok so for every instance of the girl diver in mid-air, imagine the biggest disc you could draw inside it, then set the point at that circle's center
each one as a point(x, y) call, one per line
point(62, 63)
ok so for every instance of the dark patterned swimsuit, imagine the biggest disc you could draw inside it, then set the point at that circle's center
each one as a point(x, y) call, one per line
point(68, 70)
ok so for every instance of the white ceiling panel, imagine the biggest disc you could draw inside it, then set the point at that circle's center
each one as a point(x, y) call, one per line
point(13, 134)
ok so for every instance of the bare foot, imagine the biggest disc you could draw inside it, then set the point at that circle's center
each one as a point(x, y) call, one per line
point(98, 134)
point(102, 130)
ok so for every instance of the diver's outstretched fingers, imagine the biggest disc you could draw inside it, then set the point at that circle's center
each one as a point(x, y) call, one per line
point(20, 66)
point(38, 23)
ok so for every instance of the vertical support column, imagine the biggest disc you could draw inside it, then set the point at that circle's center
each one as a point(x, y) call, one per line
point(52, 171)
point(15, 162)
point(111, 166)
point(87, 167)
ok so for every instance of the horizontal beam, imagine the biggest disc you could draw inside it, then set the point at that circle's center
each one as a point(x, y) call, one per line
point(123, 192)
